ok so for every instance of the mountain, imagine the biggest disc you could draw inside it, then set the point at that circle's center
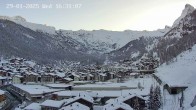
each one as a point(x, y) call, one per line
point(187, 10)
point(46, 44)
point(179, 38)
point(98, 41)
point(23, 42)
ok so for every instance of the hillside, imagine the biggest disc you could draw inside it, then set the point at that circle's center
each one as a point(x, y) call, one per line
point(179, 38)
point(181, 73)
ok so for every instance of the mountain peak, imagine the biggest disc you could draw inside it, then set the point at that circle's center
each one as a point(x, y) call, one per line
point(187, 10)
point(188, 6)
point(19, 18)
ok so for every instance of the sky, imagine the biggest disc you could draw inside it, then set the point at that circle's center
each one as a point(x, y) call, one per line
point(115, 15)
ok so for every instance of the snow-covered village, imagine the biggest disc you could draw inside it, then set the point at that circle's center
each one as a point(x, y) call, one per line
point(98, 55)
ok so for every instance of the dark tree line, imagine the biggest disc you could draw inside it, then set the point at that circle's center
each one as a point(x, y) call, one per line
point(155, 98)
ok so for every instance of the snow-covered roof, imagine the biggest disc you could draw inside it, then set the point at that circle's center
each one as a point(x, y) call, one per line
point(80, 95)
point(117, 105)
point(74, 74)
point(19, 76)
point(68, 79)
point(2, 78)
point(2, 92)
point(58, 85)
point(52, 103)
point(75, 106)
point(35, 89)
point(127, 97)
point(33, 106)
point(31, 73)
point(102, 74)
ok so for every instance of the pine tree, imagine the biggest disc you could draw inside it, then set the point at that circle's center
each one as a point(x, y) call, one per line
point(156, 99)
point(150, 104)
point(136, 105)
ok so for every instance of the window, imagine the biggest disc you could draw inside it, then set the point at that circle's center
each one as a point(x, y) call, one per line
point(173, 91)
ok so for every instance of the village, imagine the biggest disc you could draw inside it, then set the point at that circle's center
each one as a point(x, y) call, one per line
point(122, 86)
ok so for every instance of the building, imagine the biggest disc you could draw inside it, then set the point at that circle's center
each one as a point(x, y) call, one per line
point(32, 92)
point(81, 98)
point(74, 76)
point(175, 89)
point(17, 79)
point(117, 106)
point(33, 106)
point(47, 78)
point(30, 77)
point(130, 100)
point(75, 106)
point(52, 105)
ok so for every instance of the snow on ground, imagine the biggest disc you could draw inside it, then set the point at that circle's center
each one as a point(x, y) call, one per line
point(180, 73)
point(103, 90)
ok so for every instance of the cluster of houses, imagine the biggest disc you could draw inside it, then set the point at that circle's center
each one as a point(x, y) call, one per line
point(89, 101)
point(19, 70)
point(42, 85)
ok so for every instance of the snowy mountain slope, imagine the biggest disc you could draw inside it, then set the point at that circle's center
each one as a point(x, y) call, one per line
point(36, 27)
point(178, 39)
point(187, 10)
point(17, 40)
point(101, 41)
point(181, 72)
point(107, 41)
point(183, 25)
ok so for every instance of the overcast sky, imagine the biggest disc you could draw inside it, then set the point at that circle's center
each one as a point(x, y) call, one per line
point(116, 15)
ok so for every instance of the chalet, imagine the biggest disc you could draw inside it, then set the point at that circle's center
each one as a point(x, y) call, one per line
point(96, 76)
point(47, 78)
point(17, 79)
point(51, 105)
point(175, 89)
point(66, 80)
point(74, 76)
point(3, 72)
point(31, 77)
point(61, 95)
point(102, 77)
point(130, 100)
point(90, 77)
point(84, 99)
point(3, 80)
point(109, 75)
point(83, 76)
point(117, 106)
point(75, 106)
